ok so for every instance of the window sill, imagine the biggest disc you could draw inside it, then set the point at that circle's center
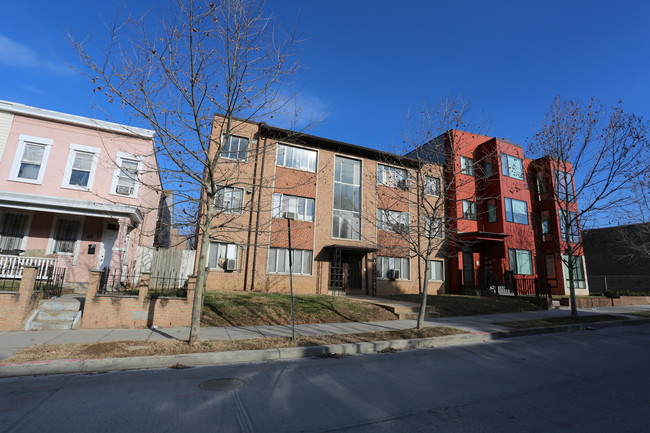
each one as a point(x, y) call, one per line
point(33, 182)
point(297, 169)
point(122, 195)
point(77, 188)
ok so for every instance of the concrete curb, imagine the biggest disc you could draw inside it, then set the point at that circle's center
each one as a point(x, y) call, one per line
point(77, 366)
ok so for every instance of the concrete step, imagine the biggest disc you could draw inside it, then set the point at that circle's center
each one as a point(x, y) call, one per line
point(65, 304)
point(413, 316)
point(49, 325)
point(55, 315)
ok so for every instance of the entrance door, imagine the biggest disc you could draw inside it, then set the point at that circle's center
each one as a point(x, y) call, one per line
point(468, 268)
point(109, 236)
point(352, 272)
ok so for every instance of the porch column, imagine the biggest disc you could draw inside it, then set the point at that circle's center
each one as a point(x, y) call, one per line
point(119, 249)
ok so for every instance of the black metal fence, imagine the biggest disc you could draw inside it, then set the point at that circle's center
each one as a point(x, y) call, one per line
point(128, 284)
point(51, 283)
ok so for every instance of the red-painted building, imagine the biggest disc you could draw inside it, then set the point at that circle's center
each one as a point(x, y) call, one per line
point(504, 217)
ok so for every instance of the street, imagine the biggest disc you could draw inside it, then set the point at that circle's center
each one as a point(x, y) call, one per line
point(595, 381)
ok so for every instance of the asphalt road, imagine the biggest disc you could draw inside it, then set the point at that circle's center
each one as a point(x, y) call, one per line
point(591, 381)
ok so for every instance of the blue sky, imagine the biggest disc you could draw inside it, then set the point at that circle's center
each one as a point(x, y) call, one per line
point(367, 63)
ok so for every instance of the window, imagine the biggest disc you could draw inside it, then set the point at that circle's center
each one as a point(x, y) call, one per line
point(302, 207)
point(80, 169)
point(492, 211)
point(235, 148)
point(392, 220)
point(521, 261)
point(564, 186)
point(545, 225)
point(436, 272)
point(392, 176)
point(30, 160)
point(399, 264)
point(125, 178)
point(230, 199)
point(346, 214)
point(66, 234)
point(541, 187)
point(432, 185)
point(296, 157)
point(550, 266)
point(569, 220)
point(13, 231)
point(433, 227)
point(487, 169)
point(222, 255)
point(578, 272)
point(512, 166)
point(516, 211)
point(279, 261)
point(467, 165)
point(469, 210)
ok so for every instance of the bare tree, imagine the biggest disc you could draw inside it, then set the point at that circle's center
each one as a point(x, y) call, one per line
point(175, 71)
point(590, 157)
point(428, 185)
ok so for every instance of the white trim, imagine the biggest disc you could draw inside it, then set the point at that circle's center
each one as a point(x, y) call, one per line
point(121, 156)
point(74, 148)
point(21, 109)
point(18, 157)
point(442, 269)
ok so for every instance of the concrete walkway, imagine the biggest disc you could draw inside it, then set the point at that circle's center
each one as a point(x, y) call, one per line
point(14, 341)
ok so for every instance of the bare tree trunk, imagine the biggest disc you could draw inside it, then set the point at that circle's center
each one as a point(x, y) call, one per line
point(425, 293)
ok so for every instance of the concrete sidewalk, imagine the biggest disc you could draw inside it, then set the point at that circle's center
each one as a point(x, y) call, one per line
point(14, 341)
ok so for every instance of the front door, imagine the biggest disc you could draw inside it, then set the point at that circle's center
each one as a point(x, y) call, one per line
point(468, 268)
point(352, 271)
point(109, 236)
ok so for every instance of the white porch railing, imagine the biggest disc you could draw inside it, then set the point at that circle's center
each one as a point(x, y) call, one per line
point(12, 266)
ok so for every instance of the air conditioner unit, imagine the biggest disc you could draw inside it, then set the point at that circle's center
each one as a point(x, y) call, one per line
point(289, 215)
point(230, 265)
point(403, 183)
point(393, 274)
point(400, 228)
point(124, 190)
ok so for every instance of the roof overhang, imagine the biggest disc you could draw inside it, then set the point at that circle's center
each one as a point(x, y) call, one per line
point(356, 248)
point(69, 206)
point(482, 236)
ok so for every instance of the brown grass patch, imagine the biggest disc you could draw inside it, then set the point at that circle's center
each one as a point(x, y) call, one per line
point(125, 349)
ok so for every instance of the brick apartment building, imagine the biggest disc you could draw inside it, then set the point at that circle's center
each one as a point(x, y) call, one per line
point(503, 211)
point(335, 193)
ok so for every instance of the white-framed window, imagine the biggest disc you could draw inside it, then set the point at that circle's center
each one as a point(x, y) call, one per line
point(302, 207)
point(229, 199)
point(235, 148)
point(223, 256)
point(569, 220)
point(521, 261)
point(433, 227)
point(392, 220)
point(278, 262)
point(578, 271)
point(81, 166)
point(469, 210)
point(432, 185)
point(516, 211)
point(492, 211)
point(296, 157)
point(564, 186)
point(65, 236)
point(13, 231)
point(384, 266)
point(487, 169)
point(126, 178)
point(467, 165)
point(346, 213)
point(31, 158)
point(436, 270)
point(512, 166)
point(392, 176)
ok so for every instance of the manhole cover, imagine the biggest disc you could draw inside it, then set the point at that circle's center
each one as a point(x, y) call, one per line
point(221, 384)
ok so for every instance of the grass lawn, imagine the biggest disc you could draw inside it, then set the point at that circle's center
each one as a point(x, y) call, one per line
point(261, 308)
point(459, 305)
point(553, 321)
point(123, 349)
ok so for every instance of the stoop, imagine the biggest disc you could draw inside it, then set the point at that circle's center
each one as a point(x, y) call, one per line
point(56, 313)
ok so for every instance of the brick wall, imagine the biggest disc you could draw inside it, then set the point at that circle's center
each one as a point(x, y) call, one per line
point(107, 311)
point(16, 307)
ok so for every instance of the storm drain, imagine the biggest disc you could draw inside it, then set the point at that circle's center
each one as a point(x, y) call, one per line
point(221, 384)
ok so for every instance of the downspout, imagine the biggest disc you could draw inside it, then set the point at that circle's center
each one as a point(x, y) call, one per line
point(250, 220)
point(257, 220)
